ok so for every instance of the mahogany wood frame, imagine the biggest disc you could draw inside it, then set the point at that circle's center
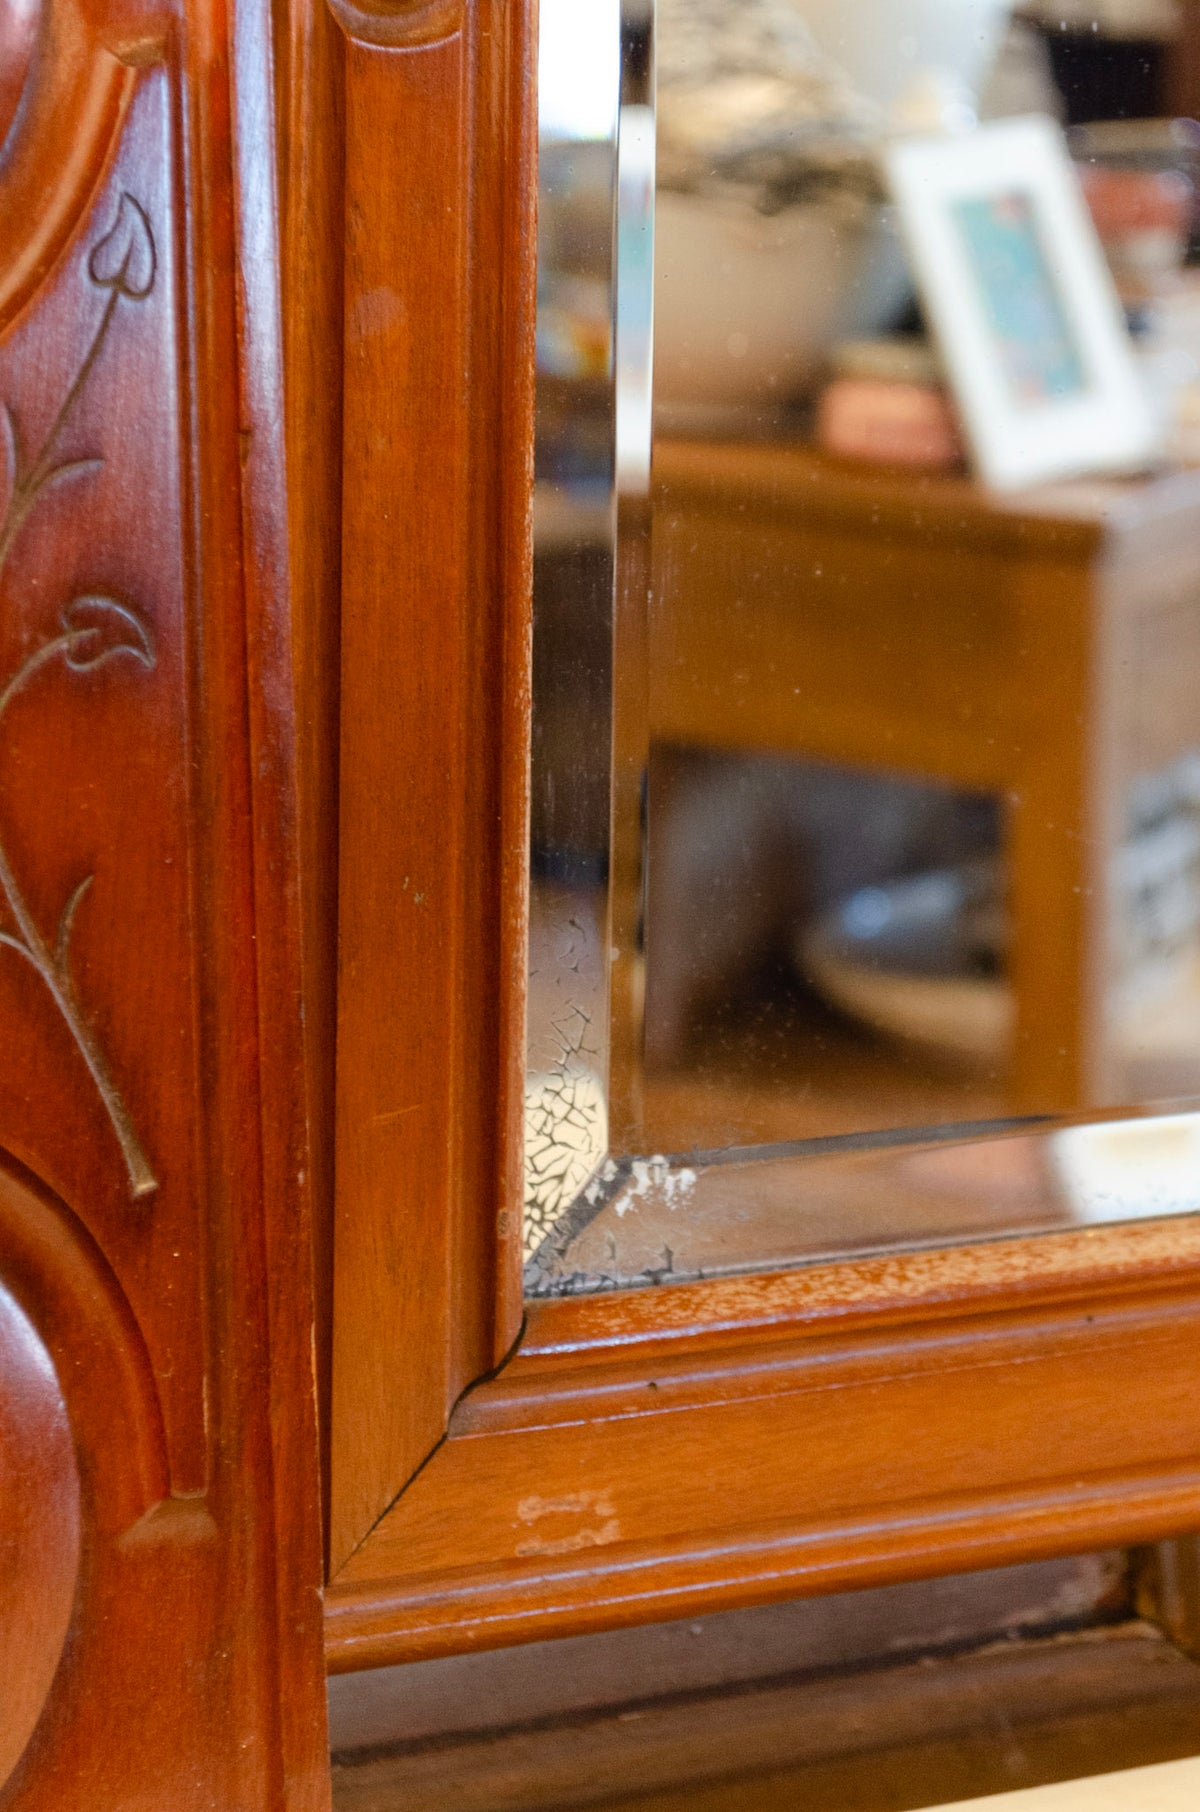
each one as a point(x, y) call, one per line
point(409, 203)
point(640, 1455)
point(266, 289)
point(658, 1453)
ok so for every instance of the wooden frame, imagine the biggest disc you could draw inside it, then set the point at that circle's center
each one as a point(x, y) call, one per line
point(656, 1453)
point(625, 1462)
point(281, 712)
point(420, 452)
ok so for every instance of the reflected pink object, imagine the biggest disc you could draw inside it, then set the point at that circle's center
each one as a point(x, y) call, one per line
point(1142, 216)
point(889, 424)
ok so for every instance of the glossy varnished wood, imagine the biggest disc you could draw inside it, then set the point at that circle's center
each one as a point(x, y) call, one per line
point(656, 1452)
point(40, 1529)
point(310, 138)
point(154, 1218)
point(435, 363)
point(266, 293)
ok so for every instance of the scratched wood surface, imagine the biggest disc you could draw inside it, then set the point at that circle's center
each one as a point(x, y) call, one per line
point(168, 690)
point(264, 599)
point(659, 1453)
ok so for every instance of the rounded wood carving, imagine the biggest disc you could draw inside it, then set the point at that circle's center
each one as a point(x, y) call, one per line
point(397, 22)
point(65, 105)
point(39, 1529)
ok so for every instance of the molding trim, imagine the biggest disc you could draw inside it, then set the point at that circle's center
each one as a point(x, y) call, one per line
point(63, 1282)
point(393, 24)
point(904, 1433)
point(420, 1619)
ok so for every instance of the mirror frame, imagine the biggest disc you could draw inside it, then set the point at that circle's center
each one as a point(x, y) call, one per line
point(498, 1473)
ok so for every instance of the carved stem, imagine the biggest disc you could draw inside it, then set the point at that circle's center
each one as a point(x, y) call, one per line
point(41, 657)
point(27, 485)
point(55, 972)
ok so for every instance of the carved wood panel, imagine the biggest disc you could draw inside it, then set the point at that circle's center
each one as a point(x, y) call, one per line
point(154, 1232)
point(95, 861)
point(41, 1534)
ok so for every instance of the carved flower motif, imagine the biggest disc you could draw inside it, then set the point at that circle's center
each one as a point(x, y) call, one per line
point(124, 259)
point(99, 628)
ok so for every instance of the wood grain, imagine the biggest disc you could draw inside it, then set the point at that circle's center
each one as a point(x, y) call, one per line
point(309, 148)
point(73, 99)
point(436, 394)
point(658, 1452)
point(463, 1697)
point(154, 1213)
point(733, 1441)
point(882, 1738)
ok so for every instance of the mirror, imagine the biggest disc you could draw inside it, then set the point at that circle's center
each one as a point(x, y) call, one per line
point(866, 771)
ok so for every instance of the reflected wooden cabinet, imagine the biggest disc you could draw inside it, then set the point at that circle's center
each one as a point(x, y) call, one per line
point(270, 1399)
point(1037, 648)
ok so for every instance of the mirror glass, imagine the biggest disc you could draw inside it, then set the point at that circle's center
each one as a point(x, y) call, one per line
point(866, 772)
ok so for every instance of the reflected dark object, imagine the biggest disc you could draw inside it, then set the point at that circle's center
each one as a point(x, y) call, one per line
point(752, 852)
point(1103, 78)
point(569, 803)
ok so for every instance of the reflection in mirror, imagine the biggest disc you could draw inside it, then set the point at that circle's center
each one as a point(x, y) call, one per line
point(866, 785)
point(566, 1120)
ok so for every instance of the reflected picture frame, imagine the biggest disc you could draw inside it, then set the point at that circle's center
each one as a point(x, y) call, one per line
point(1018, 295)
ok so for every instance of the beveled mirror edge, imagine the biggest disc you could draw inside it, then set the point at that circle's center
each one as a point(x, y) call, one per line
point(577, 1083)
point(815, 1204)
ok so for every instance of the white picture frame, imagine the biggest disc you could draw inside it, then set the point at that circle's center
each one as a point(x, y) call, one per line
point(1019, 297)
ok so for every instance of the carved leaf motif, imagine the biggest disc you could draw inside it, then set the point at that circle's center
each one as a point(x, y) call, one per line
point(94, 629)
point(98, 628)
point(124, 259)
